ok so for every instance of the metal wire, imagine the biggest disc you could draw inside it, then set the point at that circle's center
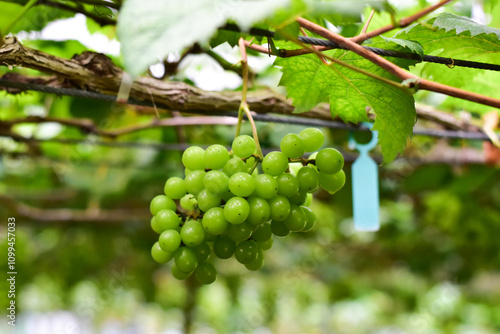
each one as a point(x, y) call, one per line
point(450, 134)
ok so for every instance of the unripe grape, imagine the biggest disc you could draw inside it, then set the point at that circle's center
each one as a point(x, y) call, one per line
point(259, 210)
point(161, 202)
point(262, 233)
point(224, 247)
point(332, 182)
point(241, 184)
point(214, 221)
point(206, 273)
point(188, 202)
point(310, 219)
point(207, 200)
point(236, 210)
point(246, 251)
point(265, 245)
point(296, 220)
point(266, 186)
point(313, 139)
point(159, 255)
point(175, 188)
point(192, 233)
point(292, 146)
point(240, 232)
point(167, 220)
point(234, 165)
point(279, 229)
point(185, 259)
point(202, 252)
point(308, 179)
point(280, 207)
point(216, 181)
point(194, 182)
point(275, 163)
point(179, 274)
point(288, 185)
point(329, 161)
point(193, 158)
point(243, 146)
point(216, 156)
point(170, 240)
point(257, 263)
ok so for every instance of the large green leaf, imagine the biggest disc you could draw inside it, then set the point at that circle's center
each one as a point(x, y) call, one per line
point(308, 82)
point(150, 29)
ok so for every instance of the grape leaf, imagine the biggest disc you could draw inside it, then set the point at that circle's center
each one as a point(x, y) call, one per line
point(150, 29)
point(448, 21)
point(308, 82)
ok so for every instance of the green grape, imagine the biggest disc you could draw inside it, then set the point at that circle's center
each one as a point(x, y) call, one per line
point(257, 263)
point(243, 146)
point(207, 200)
point(265, 245)
point(216, 157)
point(175, 188)
point(192, 233)
point(206, 273)
point(194, 182)
point(310, 219)
point(308, 179)
point(275, 163)
point(309, 198)
point(296, 220)
point(155, 226)
point(329, 161)
point(167, 220)
point(246, 251)
point(224, 247)
point(279, 229)
point(240, 232)
point(202, 252)
point(185, 259)
point(170, 240)
point(159, 255)
point(236, 210)
point(262, 233)
point(161, 202)
point(179, 274)
point(266, 186)
point(241, 184)
point(280, 207)
point(210, 237)
point(188, 202)
point(249, 164)
point(288, 185)
point(292, 146)
point(234, 165)
point(227, 196)
point(294, 167)
point(259, 210)
point(216, 182)
point(299, 197)
point(332, 182)
point(313, 139)
point(193, 158)
point(214, 221)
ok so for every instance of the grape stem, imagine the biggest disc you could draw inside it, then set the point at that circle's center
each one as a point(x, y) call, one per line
point(244, 105)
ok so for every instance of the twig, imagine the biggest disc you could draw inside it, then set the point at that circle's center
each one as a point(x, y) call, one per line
point(367, 23)
point(415, 82)
point(402, 23)
point(244, 106)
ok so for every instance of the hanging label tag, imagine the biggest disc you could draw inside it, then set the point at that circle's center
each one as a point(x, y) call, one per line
point(365, 194)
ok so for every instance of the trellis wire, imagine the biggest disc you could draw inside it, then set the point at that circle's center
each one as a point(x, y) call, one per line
point(450, 134)
point(379, 51)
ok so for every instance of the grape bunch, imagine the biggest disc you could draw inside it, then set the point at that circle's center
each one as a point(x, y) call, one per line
point(232, 203)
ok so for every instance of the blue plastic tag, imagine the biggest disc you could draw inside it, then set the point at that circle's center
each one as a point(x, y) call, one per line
point(365, 193)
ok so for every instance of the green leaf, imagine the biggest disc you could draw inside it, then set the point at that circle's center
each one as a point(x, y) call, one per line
point(151, 29)
point(448, 21)
point(414, 46)
point(308, 82)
